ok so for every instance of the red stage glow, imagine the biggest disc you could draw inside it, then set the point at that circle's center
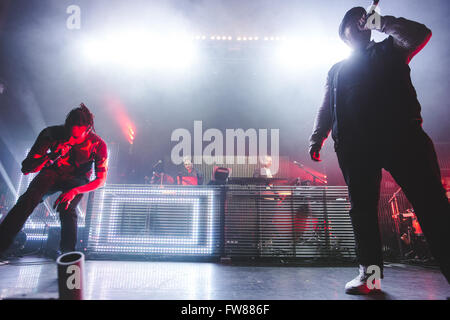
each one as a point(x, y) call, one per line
point(118, 111)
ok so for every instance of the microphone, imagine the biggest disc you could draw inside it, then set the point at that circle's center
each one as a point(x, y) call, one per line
point(370, 12)
point(299, 164)
point(54, 157)
point(373, 7)
point(157, 163)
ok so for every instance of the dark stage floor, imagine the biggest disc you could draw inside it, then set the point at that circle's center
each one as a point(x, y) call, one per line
point(34, 277)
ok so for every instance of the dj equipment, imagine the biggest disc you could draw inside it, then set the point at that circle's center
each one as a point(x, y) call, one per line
point(259, 181)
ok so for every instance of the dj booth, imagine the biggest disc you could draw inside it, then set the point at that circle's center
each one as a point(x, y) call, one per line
point(233, 221)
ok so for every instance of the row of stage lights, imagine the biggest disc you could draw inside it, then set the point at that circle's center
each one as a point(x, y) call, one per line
point(180, 51)
point(240, 38)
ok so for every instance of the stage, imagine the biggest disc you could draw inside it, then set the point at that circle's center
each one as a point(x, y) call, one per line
point(230, 242)
point(36, 278)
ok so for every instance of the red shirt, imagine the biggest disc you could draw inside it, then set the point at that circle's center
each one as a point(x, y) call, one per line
point(77, 162)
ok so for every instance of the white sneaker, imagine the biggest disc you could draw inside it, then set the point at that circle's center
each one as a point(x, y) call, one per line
point(359, 285)
point(3, 260)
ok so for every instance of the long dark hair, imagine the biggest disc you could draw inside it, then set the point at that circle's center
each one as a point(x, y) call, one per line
point(80, 116)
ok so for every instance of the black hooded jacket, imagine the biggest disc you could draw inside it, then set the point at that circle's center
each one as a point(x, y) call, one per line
point(370, 96)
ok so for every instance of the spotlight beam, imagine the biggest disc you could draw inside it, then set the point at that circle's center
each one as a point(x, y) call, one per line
point(7, 180)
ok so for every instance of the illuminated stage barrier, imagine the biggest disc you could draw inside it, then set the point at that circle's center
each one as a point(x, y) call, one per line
point(300, 222)
point(232, 221)
point(149, 220)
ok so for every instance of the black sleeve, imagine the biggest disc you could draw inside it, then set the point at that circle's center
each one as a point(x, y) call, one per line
point(38, 150)
point(409, 36)
point(323, 121)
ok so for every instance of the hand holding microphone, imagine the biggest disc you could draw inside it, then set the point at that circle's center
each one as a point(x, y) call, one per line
point(371, 20)
point(60, 151)
point(64, 148)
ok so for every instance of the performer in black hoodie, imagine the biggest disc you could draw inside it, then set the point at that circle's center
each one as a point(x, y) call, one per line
point(371, 107)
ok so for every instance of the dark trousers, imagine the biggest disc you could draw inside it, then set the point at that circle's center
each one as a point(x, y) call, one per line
point(412, 162)
point(44, 184)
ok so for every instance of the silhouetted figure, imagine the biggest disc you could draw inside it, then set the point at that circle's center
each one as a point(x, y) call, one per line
point(371, 107)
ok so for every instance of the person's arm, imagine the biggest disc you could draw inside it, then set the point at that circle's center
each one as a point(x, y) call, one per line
point(68, 196)
point(409, 36)
point(322, 124)
point(37, 158)
point(101, 169)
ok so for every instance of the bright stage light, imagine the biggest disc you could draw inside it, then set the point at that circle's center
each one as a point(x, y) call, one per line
point(299, 53)
point(142, 50)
